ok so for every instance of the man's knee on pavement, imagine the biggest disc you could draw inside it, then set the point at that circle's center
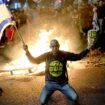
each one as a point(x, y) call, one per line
point(76, 101)
point(42, 101)
point(74, 97)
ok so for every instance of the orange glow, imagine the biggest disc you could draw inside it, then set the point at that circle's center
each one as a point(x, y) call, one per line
point(41, 46)
point(42, 43)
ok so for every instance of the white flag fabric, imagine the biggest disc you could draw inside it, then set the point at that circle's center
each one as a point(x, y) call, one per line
point(6, 18)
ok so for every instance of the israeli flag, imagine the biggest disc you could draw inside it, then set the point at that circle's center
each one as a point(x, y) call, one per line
point(6, 18)
point(2, 1)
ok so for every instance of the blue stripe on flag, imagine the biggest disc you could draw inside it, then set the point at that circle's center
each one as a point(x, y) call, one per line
point(4, 22)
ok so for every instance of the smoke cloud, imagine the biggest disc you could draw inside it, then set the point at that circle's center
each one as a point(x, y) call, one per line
point(62, 30)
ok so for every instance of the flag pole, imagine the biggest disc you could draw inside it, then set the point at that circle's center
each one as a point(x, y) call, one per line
point(20, 36)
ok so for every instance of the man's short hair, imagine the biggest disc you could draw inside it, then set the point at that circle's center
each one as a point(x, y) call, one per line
point(54, 42)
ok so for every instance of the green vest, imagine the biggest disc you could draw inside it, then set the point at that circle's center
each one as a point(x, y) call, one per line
point(92, 33)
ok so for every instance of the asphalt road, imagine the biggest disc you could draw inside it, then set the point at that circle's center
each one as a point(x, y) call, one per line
point(25, 89)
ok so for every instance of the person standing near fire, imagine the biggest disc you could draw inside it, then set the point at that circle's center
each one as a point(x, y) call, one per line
point(56, 75)
point(92, 34)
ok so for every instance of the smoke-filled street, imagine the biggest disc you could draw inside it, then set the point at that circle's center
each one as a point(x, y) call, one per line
point(36, 23)
point(89, 82)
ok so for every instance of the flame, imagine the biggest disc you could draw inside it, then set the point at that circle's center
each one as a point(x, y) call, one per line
point(41, 46)
point(42, 43)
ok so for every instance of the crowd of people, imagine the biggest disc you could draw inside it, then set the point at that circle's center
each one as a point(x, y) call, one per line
point(97, 30)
